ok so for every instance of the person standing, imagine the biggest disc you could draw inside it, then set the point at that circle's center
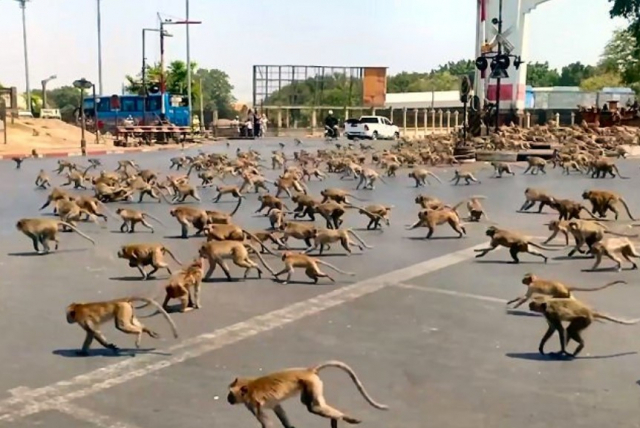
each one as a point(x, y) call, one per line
point(256, 124)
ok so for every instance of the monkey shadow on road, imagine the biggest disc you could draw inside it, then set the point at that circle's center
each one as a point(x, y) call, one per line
point(518, 313)
point(536, 356)
point(135, 278)
point(33, 253)
point(124, 352)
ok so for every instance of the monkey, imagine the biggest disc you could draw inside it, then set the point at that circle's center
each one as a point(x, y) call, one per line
point(614, 248)
point(298, 230)
point(368, 177)
point(216, 251)
point(310, 264)
point(231, 232)
point(43, 230)
point(475, 208)
point(568, 166)
point(603, 200)
point(182, 190)
point(432, 218)
point(90, 316)
point(536, 164)
point(207, 178)
point(141, 255)
point(429, 202)
point(589, 232)
point(325, 237)
point(123, 164)
point(465, 175)
point(276, 217)
point(224, 190)
point(283, 184)
point(556, 227)
point(181, 284)
point(306, 205)
point(55, 195)
point(219, 217)
point(267, 392)
point(18, 160)
point(337, 195)
point(500, 168)
point(376, 213)
point(308, 172)
point(568, 209)
point(421, 176)
point(77, 178)
point(190, 216)
point(62, 164)
point(603, 166)
point(271, 202)
point(536, 195)
point(332, 213)
point(132, 217)
point(69, 211)
point(554, 289)
point(90, 204)
point(95, 162)
point(515, 242)
point(42, 180)
point(255, 181)
point(579, 316)
point(178, 162)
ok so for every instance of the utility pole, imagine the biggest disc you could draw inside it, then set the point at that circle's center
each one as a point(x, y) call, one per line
point(188, 63)
point(23, 6)
point(498, 80)
point(99, 49)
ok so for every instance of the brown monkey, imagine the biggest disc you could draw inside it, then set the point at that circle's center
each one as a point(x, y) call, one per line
point(181, 284)
point(376, 213)
point(554, 289)
point(219, 217)
point(429, 202)
point(337, 195)
point(283, 184)
point(536, 195)
point(232, 232)
point(55, 195)
point(182, 190)
point(432, 218)
point(325, 237)
point(603, 166)
point(216, 251)
point(190, 216)
point(421, 175)
point(569, 166)
point(132, 217)
point(70, 212)
point(310, 264)
point(475, 208)
point(589, 232)
point(465, 175)
point(62, 164)
point(614, 248)
point(515, 242)
point(18, 160)
point(77, 178)
point(123, 164)
point(500, 168)
point(276, 217)
point(267, 392)
point(141, 255)
point(536, 164)
point(90, 316)
point(227, 190)
point(43, 230)
point(603, 200)
point(306, 205)
point(569, 209)
point(42, 180)
point(298, 230)
point(556, 227)
point(271, 202)
point(577, 314)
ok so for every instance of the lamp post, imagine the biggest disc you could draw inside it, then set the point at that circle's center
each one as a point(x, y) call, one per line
point(163, 33)
point(99, 45)
point(44, 89)
point(186, 22)
point(23, 6)
point(83, 84)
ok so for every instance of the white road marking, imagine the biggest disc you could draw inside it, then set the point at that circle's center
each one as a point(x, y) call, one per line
point(32, 401)
point(85, 415)
point(451, 293)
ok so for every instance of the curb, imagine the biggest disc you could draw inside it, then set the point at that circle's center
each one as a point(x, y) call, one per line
point(101, 152)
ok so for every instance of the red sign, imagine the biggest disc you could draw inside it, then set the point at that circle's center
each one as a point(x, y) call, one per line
point(115, 102)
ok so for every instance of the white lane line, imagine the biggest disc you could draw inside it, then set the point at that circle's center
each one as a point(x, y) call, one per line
point(89, 416)
point(452, 293)
point(41, 399)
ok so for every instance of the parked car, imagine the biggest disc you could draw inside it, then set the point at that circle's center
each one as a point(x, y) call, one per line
point(371, 127)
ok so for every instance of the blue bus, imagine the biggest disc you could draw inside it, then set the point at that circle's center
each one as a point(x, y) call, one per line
point(176, 110)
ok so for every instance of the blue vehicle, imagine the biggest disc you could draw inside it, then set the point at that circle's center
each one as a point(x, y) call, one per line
point(176, 110)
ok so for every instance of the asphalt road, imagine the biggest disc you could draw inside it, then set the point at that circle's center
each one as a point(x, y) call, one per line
point(422, 323)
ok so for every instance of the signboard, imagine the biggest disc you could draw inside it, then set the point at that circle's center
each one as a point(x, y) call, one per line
point(114, 102)
point(374, 87)
point(10, 97)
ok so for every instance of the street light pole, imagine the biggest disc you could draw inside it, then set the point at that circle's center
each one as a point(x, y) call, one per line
point(163, 33)
point(188, 64)
point(99, 48)
point(44, 89)
point(498, 80)
point(83, 84)
point(23, 6)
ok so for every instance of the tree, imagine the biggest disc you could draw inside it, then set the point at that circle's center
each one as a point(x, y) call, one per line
point(64, 96)
point(574, 73)
point(217, 92)
point(541, 75)
point(629, 10)
point(621, 56)
point(599, 81)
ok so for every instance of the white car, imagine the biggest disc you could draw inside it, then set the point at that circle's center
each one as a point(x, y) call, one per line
point(371, 127)
point(50, 113)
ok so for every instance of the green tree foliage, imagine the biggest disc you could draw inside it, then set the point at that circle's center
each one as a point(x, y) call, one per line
point(574, 73)
point(629, 10)
point(600, 81)
point(539, 74)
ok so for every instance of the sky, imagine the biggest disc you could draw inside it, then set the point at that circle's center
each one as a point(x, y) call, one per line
point(404, 35)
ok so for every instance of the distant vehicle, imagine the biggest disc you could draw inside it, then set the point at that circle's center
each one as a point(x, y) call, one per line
point(50, 113)
point(25, 114)
point(371, 127)
point(176, 110)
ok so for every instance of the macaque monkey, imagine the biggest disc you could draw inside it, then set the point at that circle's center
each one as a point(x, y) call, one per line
point(123, 164)
point(603, 200)
point(500, 168)
point(43, 230)
point(338, 195)
point(306, 205)
point(577, 314)
point(131, 217)
point(613, 248)
point(429, 202)
point(42, 180)
point(421, 176)
point(590, 232)
point(465, 175)
point(475, 208)
point(217, 251)
point(603, 166)
point(141, 255)
point(376, 214)
point(569, 166)
point(536, 195)
point(515, 242)
point(432, 218)
point(536, 164)
point(190, 216)
point(181, 284)
point(276, 217)
point(368, 177)
point(325, 237)
point(182, 190)
point(227, 190)
point(555, 289)
point(556, 227)
point(90, 316)
point(310, 264)
point(18, 160)
point(568, 209)
point(267, 392)
point(62, 164)
point(271, 202)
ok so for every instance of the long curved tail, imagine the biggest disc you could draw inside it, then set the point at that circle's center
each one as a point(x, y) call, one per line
point(434, 176)
point(352, 374)
point(626, 207)
point(159, 308)
point(355, 197)
point(542, 247)
point(262, 260)
point(590, 213)
point(237, 207)
point(618, 171)
point(329, 265)
point(259, 242)
point(602, 287)
point(359, 239)
point(623, 235)
point(168, 251)
point(615, 320)
point(64, 223)
point(153, 218)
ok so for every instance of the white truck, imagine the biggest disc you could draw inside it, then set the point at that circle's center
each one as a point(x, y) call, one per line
point(371, 127)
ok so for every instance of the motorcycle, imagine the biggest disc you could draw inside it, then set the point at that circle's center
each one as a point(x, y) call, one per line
point(331, 134)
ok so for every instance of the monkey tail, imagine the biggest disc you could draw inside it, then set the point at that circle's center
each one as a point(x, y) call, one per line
point(479, 197)
point(162, 195)
point(602, 287)
point(382, 179)
point(355, 197)
point(153, 218)
point(159, 308)
point(615, 320)
point(618, 171)
point(329, 265)
point(360, 240)
point(264, 263)
point(352, 374)
point(589, 212)
point(64, 223)
point(165, 250)
point(434, 176)
point(255, 238)
point(611, 232)
point(542, 247)
point(237, 207)
point(626, 207)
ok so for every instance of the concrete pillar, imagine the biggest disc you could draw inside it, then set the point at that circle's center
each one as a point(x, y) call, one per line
point(314, 120)
point(346, 113)
point(415, 122)
point(279, 119)
point(527, 120)
point(456, 119)
point(573, 118)
point(448, 116)
point(440, 119)
point(425, 121)
point(288, 118)
point(404, 120)
point(557, 119)
point(373, 111)
point(391, 115)
point(433, 119)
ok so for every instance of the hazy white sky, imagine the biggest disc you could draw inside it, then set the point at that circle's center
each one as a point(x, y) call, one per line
point(404, 35)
